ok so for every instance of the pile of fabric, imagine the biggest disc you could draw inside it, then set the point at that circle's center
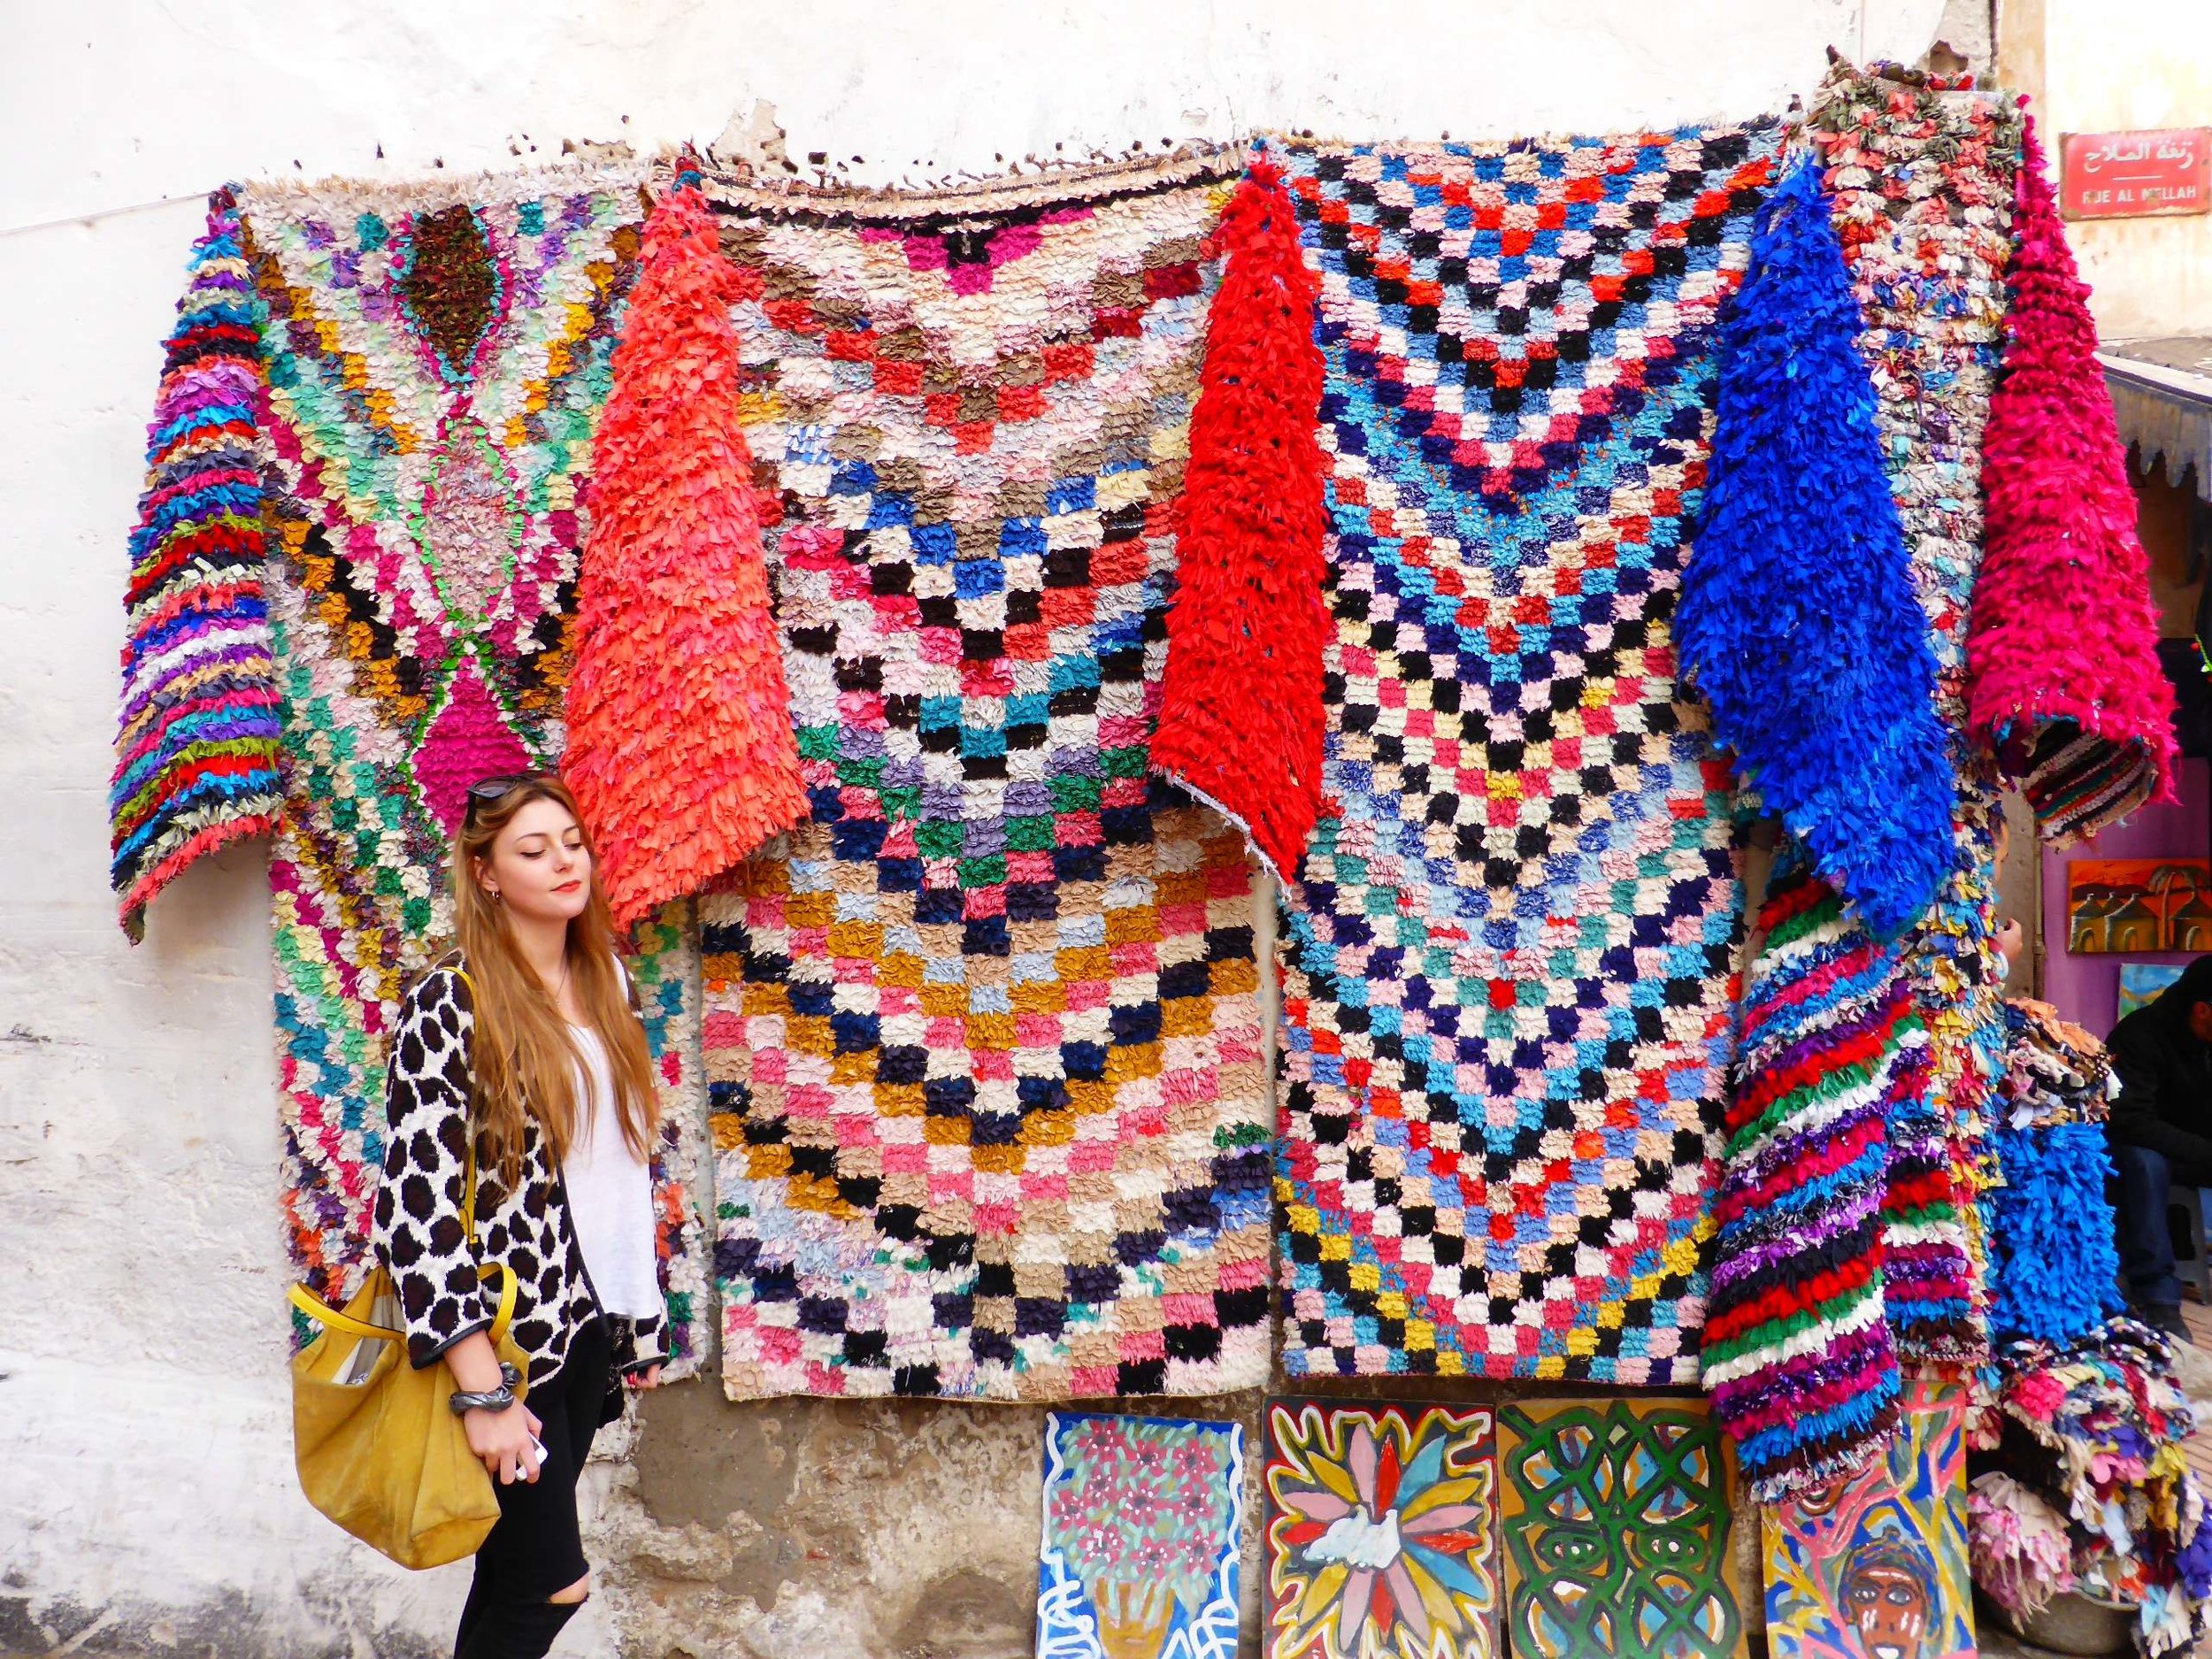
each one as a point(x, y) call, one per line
point(2085, 1488)
point(2092, 1439)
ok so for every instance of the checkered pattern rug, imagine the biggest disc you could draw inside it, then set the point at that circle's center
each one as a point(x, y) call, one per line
point(1508, 965)
point(982, 1036)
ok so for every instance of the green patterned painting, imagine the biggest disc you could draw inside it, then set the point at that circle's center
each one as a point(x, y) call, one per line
point(1616, 1518)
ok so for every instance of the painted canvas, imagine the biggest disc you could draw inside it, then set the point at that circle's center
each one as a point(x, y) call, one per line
point(1143, 1523)
point(2138, 904)
point(2141, 982)
point(1874, 1566)
point(1615, 1518)
point(1382, 1530)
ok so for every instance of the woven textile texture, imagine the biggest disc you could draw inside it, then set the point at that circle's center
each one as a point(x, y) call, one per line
point(197, 743)
point(1798, 624)
point(436, 359)
point(1507, 961)
point(1240, 710)
point(1920, 181)
point(2054, 1268)
point(2065, 681)
point(679, 742)
point(1917, 179)
point(1797, 1354)
point(982, 1036)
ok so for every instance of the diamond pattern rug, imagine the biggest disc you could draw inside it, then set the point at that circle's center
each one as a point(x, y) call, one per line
point(436, 360)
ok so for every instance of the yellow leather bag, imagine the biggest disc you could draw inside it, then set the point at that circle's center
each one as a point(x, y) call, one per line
point(378, 1449)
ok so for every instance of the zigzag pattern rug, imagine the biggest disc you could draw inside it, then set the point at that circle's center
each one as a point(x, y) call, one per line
point(983, 1042)
point(436, 358)
point(1507, 973)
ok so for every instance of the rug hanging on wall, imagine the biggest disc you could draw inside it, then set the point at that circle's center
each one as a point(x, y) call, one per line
point(983, 1041)
point(2053, 1267)
point(433, 359)
point(2064, 627)
point(1921, 184)
point(1859, 1144)
point(1797, 1354)
point(198, 743)
point(1507, 963)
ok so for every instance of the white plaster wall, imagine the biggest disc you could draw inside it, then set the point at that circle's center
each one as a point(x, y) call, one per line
point(145, 1475)
point(2106, 71)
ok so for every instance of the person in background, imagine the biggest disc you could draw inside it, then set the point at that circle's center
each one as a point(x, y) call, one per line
point(2160, 1135)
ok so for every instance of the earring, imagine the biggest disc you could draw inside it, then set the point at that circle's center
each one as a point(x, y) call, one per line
point(495, 893)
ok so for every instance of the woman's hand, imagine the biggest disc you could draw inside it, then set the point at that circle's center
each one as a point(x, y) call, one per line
point(650, 1377)
point(501, 1439)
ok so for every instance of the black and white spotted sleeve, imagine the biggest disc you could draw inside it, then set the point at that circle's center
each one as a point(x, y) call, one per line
point(644, 1348)
point(425, 1245)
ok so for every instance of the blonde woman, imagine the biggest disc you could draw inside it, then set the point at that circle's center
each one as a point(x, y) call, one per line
point(527, 1036)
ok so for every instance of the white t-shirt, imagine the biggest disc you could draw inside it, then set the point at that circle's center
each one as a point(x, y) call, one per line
point(610, 1192)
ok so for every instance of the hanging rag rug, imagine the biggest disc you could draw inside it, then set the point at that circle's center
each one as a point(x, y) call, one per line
point(2054, 1266)
point(1508, 960)
point(1920, 176)
point(434, 359)
point(983, 1039)
point(1805, 1365)
point(198, 742)
point(2065, 679)
point(1797, 1353)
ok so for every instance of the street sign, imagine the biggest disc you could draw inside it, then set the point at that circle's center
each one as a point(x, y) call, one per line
point(2136, 175)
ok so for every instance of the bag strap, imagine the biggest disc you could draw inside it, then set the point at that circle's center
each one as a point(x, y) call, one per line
point(468, 1179)
point(323, 1314)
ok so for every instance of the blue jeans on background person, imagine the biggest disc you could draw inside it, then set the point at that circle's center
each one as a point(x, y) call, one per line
point(2145, 1236)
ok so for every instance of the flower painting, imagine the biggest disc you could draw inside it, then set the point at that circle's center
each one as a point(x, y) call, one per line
point(1381, 1531)
point(1143, 1523)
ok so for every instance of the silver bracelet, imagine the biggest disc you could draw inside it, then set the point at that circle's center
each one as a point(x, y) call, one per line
point(462, 1401)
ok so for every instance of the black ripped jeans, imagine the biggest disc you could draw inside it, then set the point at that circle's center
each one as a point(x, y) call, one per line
point(536, 1549)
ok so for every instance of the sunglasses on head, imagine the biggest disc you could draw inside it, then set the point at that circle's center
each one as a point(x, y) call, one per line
point(491, 791)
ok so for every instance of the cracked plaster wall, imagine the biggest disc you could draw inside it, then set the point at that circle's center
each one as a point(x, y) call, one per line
point(147, 1502)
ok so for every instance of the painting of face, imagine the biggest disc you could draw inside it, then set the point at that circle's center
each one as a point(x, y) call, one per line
point(1874, 1565)
point(1887, 1600)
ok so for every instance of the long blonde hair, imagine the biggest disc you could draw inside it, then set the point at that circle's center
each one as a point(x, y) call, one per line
point(525, 1060)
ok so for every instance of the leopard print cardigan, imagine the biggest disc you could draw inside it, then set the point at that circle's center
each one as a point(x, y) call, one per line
point(418, 1234)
